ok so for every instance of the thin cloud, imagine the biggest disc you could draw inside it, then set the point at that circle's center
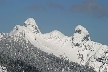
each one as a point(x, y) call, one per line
point(36, 7)
point(91, 7)
point(47, 6)
point(56, 6)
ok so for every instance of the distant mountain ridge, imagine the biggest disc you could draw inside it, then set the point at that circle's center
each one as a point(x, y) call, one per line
point(77, 48)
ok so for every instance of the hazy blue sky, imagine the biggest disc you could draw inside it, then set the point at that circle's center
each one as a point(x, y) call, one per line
point(62, 15)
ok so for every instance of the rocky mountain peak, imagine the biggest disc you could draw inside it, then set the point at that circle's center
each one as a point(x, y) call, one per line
point(31, 24)
point(81, 30)
point(80, 35)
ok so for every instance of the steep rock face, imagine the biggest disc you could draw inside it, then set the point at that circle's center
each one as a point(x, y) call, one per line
point(91, 53)
point(80, 35)
point(98, 56)
point(31, 24)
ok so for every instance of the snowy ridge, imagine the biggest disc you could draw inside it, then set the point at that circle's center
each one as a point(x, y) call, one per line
point(77, 48)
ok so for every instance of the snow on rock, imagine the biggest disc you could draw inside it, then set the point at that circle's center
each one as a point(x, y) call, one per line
point(3, 69)
point(1, 35)
point(80, 41)
point(15, 29)
point(81, 35)
point(98, 58)
point(31, 24)
point(77, 48)
point(54, 35)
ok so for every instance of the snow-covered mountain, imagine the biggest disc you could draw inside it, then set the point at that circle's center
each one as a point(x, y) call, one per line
point(77, 48)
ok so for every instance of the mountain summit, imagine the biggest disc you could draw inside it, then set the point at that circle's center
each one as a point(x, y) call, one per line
point(31, 24)
point(77, 48)
point(80, 35)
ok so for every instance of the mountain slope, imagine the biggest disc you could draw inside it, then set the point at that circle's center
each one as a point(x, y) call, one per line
point(21, 56)
point(77, 48)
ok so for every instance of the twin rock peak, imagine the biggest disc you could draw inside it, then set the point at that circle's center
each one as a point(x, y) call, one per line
point(79, 33)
